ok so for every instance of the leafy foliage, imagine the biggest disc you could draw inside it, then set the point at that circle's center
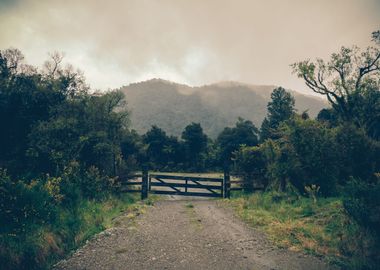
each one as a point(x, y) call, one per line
point(195, 143)
point(252, 164)
point(362, 203)
point(337, 154)
point(280, 108)
point(63, 146)
point(23, 204)
point(162, 150)
point(348, 80)
point(59, 146)
point(230, 139)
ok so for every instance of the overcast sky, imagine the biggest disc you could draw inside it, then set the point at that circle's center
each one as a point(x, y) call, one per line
point(188, 41)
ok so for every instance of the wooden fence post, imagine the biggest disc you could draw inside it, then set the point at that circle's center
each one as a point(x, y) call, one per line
point(226, 183)
point(144, 185)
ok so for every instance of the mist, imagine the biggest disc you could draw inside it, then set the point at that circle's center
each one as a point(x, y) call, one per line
point(193, 42)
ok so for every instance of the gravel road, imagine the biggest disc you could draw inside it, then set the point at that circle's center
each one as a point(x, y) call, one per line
point(185, 234)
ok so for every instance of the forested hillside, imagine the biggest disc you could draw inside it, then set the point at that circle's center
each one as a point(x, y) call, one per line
point(172, 106)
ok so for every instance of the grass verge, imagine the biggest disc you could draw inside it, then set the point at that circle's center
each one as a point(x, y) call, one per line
point(42, 246)
point(297, 223)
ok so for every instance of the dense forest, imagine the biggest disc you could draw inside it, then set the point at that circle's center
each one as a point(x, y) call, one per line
point(61, 145)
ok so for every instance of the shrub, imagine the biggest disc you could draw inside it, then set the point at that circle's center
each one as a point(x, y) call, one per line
point(362, 203)
point(358, 155)
point(22, 206)
point(93, 184)
point(251, 163)
point(70, 185)
point(313, 149)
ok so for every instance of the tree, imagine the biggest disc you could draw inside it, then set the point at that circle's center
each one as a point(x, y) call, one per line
point(328, 116)
point(230, 139)
point(251, 163)
point(26, 98)
point(305, 154)
point(156, 139)
point(59, 145)
point(345, 79)
point(195, 143)
point(280, 108)
point(358, 155)
point(133, 152)
point(88, 130)
point(173, 151)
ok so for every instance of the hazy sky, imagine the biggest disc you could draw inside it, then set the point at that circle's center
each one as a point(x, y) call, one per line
point(193, 41)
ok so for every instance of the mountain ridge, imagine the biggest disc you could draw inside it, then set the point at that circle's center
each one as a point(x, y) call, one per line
point(172, 106)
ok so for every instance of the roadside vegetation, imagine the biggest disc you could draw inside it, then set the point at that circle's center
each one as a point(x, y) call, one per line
point(39, 246)
point(61, 152)
point(322, 228)
point(64, 150)
point(321, 176)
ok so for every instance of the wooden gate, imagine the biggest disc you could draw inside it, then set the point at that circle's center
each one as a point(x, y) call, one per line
point(167, 184)
point(185, 185)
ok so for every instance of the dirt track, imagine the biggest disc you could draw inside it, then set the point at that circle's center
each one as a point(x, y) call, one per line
point(180, 234)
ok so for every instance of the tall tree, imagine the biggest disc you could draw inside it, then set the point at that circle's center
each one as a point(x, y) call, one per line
point(28, 97)
point(195, 142)
point(280, 108)
point(347, 80)
point(156, 139)
point(230, 139)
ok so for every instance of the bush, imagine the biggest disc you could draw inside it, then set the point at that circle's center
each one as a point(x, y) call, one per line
point(304, 155)
point(359, 156)
point(362, 203)
point(23, 206)
point(93, 184)
point(251, 164)
point(70, 185)
point(312, 148)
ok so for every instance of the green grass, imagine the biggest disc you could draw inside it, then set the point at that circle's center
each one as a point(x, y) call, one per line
point(189, 205)
point(299, 224)
point(195, 221)
point(44, 245)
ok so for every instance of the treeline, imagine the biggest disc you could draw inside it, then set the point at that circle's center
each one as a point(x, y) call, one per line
point(194, 151)
point(60, 146)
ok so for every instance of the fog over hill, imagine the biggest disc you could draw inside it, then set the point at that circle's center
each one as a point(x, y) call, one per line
point(172, 106)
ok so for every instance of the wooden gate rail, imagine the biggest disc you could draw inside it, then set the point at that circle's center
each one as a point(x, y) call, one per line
point(236, 185)
point(178, 177)
point(163, 184)
point(208, 187)
point(131, 180)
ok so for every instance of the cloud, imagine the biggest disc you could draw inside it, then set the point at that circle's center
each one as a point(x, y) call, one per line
point(195, 42)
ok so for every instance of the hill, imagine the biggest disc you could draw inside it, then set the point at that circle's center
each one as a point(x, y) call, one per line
point(172, 106)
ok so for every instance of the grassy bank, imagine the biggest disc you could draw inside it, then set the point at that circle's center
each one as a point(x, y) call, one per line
point(42, 246)
point(321, 228)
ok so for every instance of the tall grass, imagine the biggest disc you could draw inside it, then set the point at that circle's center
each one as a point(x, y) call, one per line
point(43, 245)
point(321, 228)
